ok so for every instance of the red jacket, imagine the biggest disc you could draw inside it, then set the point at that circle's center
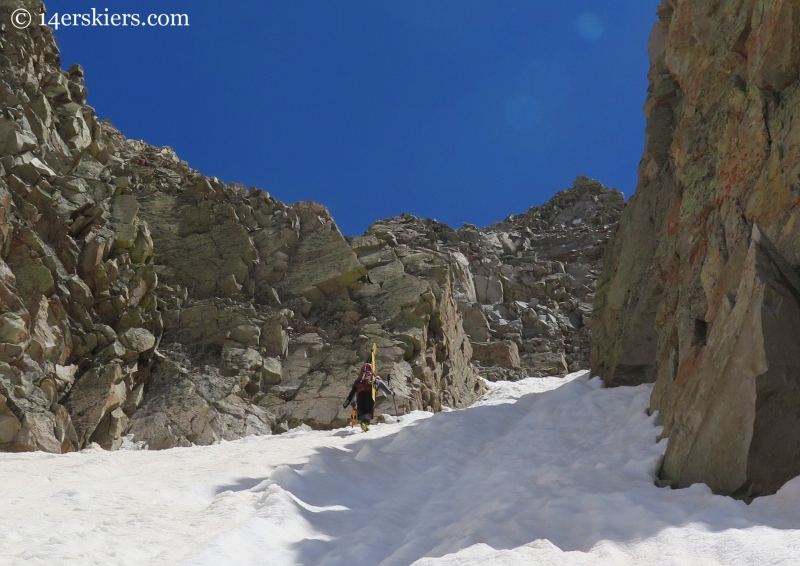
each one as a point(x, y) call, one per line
point(365, 383)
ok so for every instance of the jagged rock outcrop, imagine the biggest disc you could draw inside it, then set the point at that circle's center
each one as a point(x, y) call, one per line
point(140, 297)
point(267, 303)
point(524, 286)
point(692, 296)
point(79, 321)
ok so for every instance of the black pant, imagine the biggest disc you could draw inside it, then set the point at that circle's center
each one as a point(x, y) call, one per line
point(365, 404)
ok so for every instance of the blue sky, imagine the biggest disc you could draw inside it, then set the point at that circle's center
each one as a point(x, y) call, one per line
point(459, 110)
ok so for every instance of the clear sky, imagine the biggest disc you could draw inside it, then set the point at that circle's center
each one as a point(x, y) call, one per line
point(459, 110)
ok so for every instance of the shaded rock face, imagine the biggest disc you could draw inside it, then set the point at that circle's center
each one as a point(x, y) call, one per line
point(693, 296)
point(140, 297)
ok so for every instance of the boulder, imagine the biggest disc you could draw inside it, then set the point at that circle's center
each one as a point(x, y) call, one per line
point(271, 370)
point(323, 263)
point(275, 340)
point(13, 140)
point(503, 354)
point(246, 334)
point(9, 423)
point(109, 433)
point(37, 433)
point(94, 396)
point(34, 280)
point(137, 339)
point(488, 289)
point(475, 324)
point(13, 329)
point(184, 408)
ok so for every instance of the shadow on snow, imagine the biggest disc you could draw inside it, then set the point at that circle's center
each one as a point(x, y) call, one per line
point(575, 466)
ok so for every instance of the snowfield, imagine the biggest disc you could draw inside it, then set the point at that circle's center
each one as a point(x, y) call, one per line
point(543, 471)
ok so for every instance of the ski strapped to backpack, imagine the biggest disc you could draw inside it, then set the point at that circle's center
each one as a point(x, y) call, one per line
point(374, 372)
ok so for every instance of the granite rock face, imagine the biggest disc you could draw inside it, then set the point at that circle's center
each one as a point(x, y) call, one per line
point(79, 317)
point(528, 281)
point(142, 299)
point(735, 415)
point(692, 296)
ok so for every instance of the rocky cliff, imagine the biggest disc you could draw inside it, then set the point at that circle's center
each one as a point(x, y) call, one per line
point(524, 286)
point(699, 291)
point(140, 297)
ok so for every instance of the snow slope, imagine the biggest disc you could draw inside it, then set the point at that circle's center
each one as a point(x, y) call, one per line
point(543, 471)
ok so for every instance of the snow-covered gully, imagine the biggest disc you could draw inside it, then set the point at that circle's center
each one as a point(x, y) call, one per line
point(543, 471)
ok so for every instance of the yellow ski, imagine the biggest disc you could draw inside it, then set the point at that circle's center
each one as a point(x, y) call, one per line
point(374, 371)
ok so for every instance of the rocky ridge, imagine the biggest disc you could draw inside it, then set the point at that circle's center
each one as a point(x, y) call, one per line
point(524, 286)
point(140, 297)
point(700, 287)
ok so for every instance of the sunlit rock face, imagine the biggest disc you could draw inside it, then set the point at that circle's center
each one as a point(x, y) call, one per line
point(138, 296)
point(524, 287)
point(698, 291)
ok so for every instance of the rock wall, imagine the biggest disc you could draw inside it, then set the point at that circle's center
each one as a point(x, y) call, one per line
point(79, 317)
point(698, 292)
point(524, 286)
point(140, 297)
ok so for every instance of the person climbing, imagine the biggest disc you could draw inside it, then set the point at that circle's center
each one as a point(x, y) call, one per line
point(364, 390)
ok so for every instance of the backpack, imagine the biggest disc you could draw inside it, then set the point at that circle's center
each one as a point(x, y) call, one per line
point(364, 381)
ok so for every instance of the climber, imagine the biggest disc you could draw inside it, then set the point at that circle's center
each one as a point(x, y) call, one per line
point(364, 390)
